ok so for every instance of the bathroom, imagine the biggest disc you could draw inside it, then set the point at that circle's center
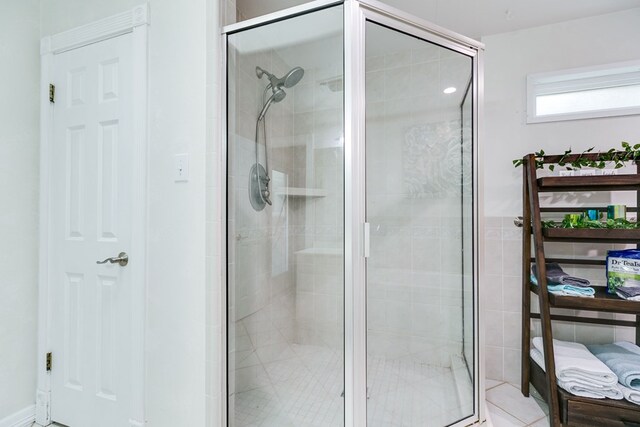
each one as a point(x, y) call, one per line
point(278, 275)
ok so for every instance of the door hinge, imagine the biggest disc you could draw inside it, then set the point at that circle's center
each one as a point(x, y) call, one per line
point(48, 363)
point(52, 93)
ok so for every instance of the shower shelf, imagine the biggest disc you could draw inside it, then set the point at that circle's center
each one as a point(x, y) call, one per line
point(301, 192)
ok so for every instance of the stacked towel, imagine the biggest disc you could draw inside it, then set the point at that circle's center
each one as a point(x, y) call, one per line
point(631, 293)
point(556, 275)
point(567, 290)
point(578, 371)
point(624, 363)
point(631, 395)
point(628, 346)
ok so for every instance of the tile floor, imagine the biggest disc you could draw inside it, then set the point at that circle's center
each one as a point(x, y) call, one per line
point(302, 389)
point(305, 389)
point(507, 407)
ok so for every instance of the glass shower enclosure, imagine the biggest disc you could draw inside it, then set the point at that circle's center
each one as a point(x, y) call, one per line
point(351, 220)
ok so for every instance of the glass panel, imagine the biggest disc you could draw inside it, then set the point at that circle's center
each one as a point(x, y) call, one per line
point(418, 201)
point(285, 223)
point(588, 100)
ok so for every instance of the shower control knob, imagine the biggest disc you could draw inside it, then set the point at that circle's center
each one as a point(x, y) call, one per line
point(265, 196)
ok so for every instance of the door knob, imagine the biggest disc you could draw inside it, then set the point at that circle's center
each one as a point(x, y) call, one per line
point(122, 259)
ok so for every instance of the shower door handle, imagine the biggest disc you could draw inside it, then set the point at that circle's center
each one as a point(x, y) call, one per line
point(366, 240)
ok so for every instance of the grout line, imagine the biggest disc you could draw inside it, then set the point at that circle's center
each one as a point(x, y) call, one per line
point(508, 411)
point(491, 388)
point(541, 418)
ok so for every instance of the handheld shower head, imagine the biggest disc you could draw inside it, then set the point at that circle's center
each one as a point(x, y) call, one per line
point(277, 96)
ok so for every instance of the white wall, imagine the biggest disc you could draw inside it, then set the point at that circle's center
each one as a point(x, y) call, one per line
point(19, 142)
point(509, 58)
point(179, 88)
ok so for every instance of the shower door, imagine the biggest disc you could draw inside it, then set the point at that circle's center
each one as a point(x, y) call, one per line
point(419, 212)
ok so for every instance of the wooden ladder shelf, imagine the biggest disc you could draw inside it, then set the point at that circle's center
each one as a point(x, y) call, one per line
point(566, 409)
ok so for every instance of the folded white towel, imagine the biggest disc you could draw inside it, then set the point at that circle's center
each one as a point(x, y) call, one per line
point(630, 394)
point(581, 388)
point(574, 362)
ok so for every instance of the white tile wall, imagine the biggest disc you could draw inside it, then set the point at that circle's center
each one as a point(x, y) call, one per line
point(502, 299)
point(414, 274)
point(319, 297)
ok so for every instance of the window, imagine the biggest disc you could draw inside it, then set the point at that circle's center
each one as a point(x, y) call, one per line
point(582, 93)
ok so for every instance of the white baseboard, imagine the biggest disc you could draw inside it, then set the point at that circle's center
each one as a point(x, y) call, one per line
point(22, 418)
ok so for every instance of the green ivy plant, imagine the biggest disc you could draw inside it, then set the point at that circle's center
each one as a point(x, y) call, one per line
point(617, 157)
point(618, 223)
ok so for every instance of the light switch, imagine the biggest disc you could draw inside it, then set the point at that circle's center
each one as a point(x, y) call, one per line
point(181, 168)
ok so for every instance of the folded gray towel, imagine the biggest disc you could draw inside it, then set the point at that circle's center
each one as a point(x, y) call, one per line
point(629, 291)
point(624, 363)
point(555, 274)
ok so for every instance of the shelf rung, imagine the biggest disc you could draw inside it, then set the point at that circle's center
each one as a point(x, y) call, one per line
point(611, 322)
point(574, 261)
point(577, 209)
point(626, 182)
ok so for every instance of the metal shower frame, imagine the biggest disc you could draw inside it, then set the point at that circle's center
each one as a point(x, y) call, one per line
point(356, 14)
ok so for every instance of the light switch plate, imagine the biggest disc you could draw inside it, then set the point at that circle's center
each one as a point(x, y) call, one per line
point(181, 168)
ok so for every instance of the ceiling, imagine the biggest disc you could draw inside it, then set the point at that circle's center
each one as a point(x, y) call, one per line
point(476, 18)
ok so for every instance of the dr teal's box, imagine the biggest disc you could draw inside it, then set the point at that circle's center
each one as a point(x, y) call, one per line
point(623, 269)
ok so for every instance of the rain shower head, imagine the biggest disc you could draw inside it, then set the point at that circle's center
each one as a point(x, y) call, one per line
point(293, 77)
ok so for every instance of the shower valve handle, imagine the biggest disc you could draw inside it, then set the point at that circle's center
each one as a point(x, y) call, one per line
point(265, 196)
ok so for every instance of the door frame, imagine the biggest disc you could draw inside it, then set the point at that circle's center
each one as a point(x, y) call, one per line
point(135, 22)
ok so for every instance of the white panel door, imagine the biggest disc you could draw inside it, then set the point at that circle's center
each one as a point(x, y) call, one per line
point(91, 219)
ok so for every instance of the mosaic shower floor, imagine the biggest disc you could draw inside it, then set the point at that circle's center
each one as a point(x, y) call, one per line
point(305, 390)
